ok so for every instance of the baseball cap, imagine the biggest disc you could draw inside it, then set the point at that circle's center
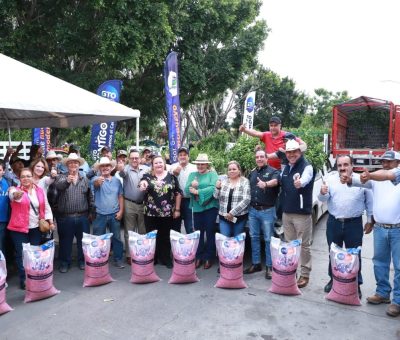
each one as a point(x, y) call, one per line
point(391, 155)
point(289, 136)
point(292, 145)
point(183, 149)
point(122, 153)
point(275, 119)
point(105, 148)
point(73, 147)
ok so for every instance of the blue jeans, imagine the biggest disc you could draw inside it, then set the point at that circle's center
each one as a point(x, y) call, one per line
point(261, 221)
point(100, 225)
point(387, 247)
point(205, 222)
point(230, 229)
point(350, 233)
point(186, 215)
point(68, 228)
point(3, 226)
point(33, 237)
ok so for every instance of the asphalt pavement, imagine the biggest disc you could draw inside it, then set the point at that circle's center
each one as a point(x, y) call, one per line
point(122, 310)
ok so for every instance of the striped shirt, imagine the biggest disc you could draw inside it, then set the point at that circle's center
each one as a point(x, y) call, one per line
point(74, 198)
point(240, 198)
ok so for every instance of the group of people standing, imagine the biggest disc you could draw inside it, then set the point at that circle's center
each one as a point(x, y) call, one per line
point(140, 193)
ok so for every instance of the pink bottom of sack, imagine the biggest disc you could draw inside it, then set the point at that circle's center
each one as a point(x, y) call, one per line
point(344, 291)
point(39, 285)
point(184, 271)
point(4, 307)
point(231, 275)
point(97, 273)
point(284, 282)
point(143, 271)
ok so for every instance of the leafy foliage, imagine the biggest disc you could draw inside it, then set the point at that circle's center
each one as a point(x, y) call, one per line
point(315, 146)
point(274, 96)
point(87, 42)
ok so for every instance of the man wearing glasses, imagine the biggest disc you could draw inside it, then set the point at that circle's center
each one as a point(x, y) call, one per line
point(133, 197)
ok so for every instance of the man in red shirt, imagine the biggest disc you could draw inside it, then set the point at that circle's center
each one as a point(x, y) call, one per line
point(274, 140)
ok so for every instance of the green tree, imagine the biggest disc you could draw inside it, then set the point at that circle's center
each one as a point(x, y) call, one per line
point(87, 42)
point(274, 96)
point(322, 102)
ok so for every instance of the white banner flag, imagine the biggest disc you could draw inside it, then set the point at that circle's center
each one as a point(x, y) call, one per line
point(248, 116)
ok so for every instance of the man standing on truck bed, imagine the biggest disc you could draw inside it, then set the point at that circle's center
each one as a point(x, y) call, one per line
point(274, 140)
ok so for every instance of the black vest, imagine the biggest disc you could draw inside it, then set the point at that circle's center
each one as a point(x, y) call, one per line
point(291, 195)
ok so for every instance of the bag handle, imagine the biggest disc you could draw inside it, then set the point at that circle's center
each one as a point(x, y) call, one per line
point(36, 213)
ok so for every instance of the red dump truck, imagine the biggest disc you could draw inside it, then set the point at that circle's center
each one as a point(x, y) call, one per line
point(364, 128)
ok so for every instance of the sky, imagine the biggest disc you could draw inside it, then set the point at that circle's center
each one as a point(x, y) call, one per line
point(338, 45)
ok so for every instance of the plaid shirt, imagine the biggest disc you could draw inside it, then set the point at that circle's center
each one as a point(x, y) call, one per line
point(74, 198)
point(240, 198)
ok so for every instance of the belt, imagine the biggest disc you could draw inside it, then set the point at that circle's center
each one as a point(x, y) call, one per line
point(84, 213)
point(388, 226)
point(346, 219)
point(261, 207)
point(137, 202)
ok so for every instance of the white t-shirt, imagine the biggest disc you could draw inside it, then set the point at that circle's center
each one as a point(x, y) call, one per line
point(183, 175)
point(386, 206)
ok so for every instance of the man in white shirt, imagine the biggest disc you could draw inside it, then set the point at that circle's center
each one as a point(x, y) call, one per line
point(386, 212)
point(346, 206)
point(181, 170)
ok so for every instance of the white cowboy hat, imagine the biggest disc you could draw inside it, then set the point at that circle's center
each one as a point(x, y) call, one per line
point(104, 161)
point(73, 157)
point(202, 158)
point(292, 145)
point(52, 154)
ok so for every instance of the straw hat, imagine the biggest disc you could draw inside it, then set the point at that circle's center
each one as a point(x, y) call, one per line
point(73, 157)
point(104, 161)
point(51, 155)
point(202, 158)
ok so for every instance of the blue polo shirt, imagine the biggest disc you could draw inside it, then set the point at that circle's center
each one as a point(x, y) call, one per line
point(4, 201)
point(106, 196)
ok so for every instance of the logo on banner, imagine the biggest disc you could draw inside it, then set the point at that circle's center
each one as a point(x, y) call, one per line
point(103, 134)
point(250, 104)
point(110, 92)
point(173, 83)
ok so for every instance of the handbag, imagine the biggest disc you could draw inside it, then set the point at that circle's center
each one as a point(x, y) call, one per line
point(44, 226)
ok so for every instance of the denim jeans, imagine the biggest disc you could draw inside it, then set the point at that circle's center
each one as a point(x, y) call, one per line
point(205, 222)
point(69, 227)
point(186, 215)
point(350, 233)
point(3, 226)
point(33, 237)
point(100, 225)
point(261, 221)
point(230, 229)
point(387, 247)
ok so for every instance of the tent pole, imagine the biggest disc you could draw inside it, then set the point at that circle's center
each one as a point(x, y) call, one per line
point(9, 130)
point(137, 133)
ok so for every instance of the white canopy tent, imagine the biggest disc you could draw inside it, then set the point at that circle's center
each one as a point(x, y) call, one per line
point(31, 98)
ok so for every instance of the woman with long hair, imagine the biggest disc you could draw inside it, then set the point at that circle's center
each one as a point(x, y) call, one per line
point(162, 203)
point(234, 198)
point(28, 206)
point(39, 170)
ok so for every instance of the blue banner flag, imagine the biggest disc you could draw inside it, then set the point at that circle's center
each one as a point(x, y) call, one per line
point(41, 136)
point(103, 134)
point(172, 105)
